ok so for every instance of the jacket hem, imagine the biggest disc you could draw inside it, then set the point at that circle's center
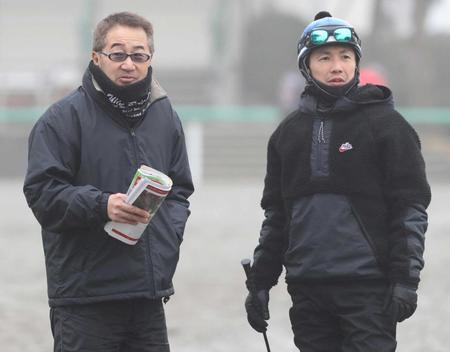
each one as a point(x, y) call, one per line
point(67, 301)
point(294, 286)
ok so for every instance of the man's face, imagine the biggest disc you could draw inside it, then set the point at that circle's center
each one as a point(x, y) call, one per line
point(333, 65)
point(127, 40)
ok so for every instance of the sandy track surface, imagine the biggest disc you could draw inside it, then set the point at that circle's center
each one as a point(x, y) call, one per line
point(206, 313)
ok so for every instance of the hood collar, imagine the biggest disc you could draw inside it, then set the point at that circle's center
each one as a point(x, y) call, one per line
point(362, 95)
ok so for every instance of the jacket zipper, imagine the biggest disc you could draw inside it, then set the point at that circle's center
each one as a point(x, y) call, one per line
point(133, 137)
point(147, 252)
point(320, 141)
point(320, 135)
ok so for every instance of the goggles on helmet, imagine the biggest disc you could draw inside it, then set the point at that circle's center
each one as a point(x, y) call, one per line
point(338, 35)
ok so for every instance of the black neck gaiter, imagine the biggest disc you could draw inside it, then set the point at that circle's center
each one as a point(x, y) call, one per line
point(130, 100)
point(327, 95)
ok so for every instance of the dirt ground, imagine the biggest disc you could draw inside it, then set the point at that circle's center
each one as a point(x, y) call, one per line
point(206, 313)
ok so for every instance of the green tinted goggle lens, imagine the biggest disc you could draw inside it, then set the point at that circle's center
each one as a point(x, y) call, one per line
point(320, 36)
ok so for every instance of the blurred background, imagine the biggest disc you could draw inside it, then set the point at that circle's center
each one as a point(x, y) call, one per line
point(229, 67)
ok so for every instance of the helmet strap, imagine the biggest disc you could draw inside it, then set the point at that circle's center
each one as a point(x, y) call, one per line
point(324, 92)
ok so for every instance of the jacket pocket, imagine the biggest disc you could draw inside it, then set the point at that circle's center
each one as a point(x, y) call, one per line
point(164, 247)
point(327, 242)
point(366, 235)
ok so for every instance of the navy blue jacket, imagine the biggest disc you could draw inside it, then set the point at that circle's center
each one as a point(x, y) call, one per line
point(345, 195)
point(80, 152)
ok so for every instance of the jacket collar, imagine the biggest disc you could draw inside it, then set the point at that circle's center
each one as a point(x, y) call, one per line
point(89, 83)
point(363, 95)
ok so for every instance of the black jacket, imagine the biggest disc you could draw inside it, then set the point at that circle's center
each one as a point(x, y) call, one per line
point(345, 194)
point(80, 151)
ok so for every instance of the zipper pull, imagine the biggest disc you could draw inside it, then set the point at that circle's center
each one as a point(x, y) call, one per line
point(320, 137)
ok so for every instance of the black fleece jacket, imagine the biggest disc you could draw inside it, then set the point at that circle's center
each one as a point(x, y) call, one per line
point(375, 170)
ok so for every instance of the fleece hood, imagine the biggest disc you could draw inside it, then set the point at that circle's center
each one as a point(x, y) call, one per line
point(362, 95)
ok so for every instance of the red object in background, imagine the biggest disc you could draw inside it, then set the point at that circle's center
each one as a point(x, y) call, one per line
point(373, 76)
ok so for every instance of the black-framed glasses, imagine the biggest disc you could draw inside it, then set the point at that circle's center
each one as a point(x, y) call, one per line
point(120, 56)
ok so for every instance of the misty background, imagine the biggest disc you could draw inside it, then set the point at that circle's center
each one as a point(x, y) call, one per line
point(229, 67)
point(225, 65)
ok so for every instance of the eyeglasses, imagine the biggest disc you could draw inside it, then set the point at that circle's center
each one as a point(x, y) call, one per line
point(121, 56)
point(341, 35)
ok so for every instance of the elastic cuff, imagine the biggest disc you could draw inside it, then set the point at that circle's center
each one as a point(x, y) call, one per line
point(103, 206)
point(408, 282)
point(263, 285)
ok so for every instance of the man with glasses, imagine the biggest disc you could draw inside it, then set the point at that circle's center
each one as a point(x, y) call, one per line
point(345, 201)
point(105, 295)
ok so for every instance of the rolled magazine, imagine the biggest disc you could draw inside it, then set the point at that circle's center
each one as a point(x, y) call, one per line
point(147, 190)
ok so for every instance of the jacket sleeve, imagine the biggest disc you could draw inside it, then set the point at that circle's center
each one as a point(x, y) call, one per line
point(268, 254)
point(53, 159)
point(177, 200)
point(408, 194)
